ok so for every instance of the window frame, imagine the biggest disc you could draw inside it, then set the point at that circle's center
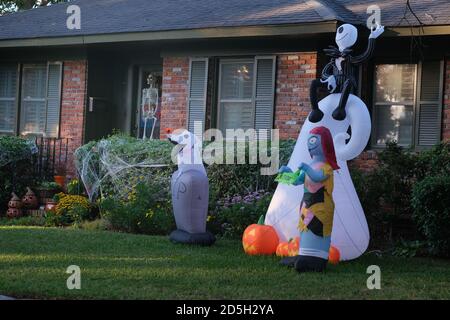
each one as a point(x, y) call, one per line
point(415, 106)
point(252, 100)
point(16, 101)
point(19, 96)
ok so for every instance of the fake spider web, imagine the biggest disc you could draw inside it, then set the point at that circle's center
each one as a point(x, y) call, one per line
point(107, 168)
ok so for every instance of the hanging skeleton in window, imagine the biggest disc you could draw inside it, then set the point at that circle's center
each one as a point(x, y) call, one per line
point(338, 74)
point(150, 105)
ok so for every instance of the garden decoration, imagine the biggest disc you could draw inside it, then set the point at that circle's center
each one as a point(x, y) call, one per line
point(190, 191)
point(14, 207)
point(29, 200)
point(338, 112)
point(317, 206)
point(150, 105)
point(259, 239)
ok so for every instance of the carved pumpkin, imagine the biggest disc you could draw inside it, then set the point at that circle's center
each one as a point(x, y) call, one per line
point(334, 255)
point(14, 213)
point(260, 239)
point(15, 201)
point(30, 201)
point(293, 247)
point(282, 249)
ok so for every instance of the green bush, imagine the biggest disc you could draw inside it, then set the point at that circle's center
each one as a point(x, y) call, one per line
point(147, 211)
point(431, 202)
point(224, 181)
point(230, 179)
point(233, 214)
point(16, 168)
point(385, 193)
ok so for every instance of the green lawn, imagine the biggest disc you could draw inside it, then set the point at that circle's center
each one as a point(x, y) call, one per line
point(33, 262)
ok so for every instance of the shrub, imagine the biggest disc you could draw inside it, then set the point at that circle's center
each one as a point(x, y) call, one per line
point(16, 168)
point(231, 179)
point(70, 209)
point(120, 149)
point(431, 204)
point(74, 187)
point(233, 214)
point(146, 210)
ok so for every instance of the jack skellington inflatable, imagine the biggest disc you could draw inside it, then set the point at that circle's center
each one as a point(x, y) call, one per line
point(337, 112)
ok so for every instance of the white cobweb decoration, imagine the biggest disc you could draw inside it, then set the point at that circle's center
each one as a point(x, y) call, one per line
point(109, 166)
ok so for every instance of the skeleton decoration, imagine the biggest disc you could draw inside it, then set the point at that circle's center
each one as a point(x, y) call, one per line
point(149, 105)
point(338, 112)
point(190, 191)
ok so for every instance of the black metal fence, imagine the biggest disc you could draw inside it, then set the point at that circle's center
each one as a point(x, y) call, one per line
point(51, 157)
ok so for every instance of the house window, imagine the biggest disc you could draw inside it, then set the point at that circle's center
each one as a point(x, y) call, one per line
point(407, 104)
point(236, 95)
point(8, 93)
point(246, 92)
point(40, 99)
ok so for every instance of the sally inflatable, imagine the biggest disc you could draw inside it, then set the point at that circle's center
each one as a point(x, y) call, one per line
point(317, 206)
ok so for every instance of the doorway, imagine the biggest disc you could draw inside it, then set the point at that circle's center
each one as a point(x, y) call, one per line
point(146, 122)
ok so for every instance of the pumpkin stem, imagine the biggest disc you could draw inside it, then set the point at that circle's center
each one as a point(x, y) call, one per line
point(261, 220)
point(290, 239)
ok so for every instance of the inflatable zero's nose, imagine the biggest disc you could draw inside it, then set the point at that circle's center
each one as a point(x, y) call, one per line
point(350, 231)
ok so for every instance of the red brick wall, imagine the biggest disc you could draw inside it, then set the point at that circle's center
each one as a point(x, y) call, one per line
point(294, 74)
point(446, 111)
point(174, 93)
point(73, 106)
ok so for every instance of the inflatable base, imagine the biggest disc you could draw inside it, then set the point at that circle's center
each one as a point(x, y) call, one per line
point(202, 239)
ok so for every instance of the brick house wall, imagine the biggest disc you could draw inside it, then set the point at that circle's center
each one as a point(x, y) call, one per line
point(73, 108)
point(174, 93)
point(294, 74)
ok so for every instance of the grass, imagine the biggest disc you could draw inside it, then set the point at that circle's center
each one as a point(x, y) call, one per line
point(33, 262)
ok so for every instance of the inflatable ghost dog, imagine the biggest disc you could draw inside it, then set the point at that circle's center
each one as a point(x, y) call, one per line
point(190, 192)
point(338, 112)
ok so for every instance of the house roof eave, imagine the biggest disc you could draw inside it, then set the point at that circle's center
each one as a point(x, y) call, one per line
point(203, 33)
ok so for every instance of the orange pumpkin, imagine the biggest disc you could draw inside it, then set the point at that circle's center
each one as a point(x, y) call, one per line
point(260, 239)
point(334, 255)
point(293, 247)
point(282, 249)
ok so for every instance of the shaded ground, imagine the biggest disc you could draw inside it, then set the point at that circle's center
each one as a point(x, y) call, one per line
point(33, 264)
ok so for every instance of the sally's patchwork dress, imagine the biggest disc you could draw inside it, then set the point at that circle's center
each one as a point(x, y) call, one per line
point(316, 214)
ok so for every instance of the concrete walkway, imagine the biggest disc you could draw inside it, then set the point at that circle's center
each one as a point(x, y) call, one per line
point(6, 298)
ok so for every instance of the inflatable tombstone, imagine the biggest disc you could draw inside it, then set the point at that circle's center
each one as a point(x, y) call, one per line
point(190, 192)
point(338, 112)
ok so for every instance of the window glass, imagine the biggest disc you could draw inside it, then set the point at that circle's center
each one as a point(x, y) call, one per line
point(236, 95)
point(8, 91)
point(33, 109)
point(394, 101)
point(237, 81)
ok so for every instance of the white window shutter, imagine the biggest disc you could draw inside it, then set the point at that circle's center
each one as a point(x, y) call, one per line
point(54, 75)
point(198, 82)
point(264, 92)
point(430, 104)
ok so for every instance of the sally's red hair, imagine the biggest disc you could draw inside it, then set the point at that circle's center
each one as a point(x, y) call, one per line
point(327, 145)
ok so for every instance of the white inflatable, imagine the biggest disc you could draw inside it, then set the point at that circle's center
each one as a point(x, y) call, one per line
point(350, 233)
